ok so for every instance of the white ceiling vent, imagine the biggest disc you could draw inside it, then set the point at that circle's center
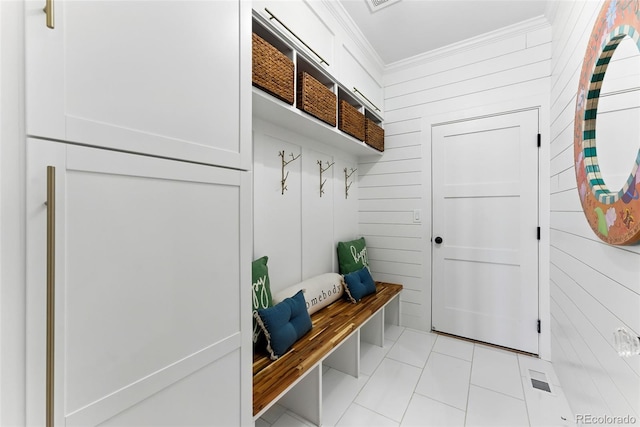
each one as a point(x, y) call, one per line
point(376, 5)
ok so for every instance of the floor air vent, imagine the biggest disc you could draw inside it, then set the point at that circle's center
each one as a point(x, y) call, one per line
point(539, 380)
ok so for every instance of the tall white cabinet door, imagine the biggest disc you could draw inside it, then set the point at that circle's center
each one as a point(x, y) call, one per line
point(150, 258)
point(166, 78)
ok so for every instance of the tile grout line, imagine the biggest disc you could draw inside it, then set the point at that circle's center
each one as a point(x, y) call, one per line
point(524, 393)
point(499, 392)
point(455, 357)
point(413, 393)
point(466, 409)
point(353, 401)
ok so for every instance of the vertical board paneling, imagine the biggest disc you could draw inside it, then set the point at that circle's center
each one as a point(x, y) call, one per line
point(345, 203)
point(299, 230)
point(317, 214)
point(276, 216)
point(594, 286)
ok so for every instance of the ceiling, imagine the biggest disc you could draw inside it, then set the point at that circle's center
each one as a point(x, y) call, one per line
point(405, 28)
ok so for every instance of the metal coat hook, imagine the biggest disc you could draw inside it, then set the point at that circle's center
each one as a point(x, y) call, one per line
point(322, 170)
point(347, 184)
point(284, 177)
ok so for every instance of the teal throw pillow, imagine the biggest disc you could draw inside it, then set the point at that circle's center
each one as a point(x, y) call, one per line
point(352, 256)
point(284, 324)
point(359, 284)
point(261, 290)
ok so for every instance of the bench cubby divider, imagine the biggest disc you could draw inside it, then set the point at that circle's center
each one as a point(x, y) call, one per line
point(305, 398)
point(346, 357)
point(372, 332)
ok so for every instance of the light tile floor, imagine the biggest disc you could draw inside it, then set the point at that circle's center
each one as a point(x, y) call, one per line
point(424, 379)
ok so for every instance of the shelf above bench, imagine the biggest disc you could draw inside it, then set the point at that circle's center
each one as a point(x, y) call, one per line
point(271, 68)
point(274, 111)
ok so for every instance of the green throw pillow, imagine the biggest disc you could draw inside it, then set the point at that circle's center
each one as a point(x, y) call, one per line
point(261, 290)
point(352, 256)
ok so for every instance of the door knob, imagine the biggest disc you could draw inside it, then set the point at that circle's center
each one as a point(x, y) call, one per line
point(438, 240)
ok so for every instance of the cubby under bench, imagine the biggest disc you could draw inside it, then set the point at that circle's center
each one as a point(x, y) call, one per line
point(295, 379)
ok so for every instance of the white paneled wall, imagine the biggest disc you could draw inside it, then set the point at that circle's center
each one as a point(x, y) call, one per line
point(594, 287)
point(299, 230)
point(503, 71)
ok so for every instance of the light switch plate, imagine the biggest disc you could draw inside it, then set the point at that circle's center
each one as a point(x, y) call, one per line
point(417, 215)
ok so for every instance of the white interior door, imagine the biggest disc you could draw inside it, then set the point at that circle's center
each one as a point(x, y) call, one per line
point(485, 210)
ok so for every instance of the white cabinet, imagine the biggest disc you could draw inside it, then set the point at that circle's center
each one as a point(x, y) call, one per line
point(303, 26)
point(355, 77)
point(151, 258)
point(166, 78)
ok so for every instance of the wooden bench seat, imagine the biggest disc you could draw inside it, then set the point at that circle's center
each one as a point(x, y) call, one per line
point(331, 326)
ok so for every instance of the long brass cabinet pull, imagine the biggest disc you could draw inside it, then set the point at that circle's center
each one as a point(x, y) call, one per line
point(296, 36)
point(355, 89)
point(48, 9)
point(51, 282)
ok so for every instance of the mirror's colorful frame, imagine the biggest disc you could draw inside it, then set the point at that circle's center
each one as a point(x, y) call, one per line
point(614, 217)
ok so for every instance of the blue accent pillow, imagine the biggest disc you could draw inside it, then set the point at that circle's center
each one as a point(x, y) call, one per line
point(359, 284)
point(284, 324)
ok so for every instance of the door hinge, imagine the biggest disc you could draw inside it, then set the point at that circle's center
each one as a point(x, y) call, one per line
point(539, 140)
point(538, 233)
point(538, 325)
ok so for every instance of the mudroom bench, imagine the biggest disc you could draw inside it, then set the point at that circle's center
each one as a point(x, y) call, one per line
point(294, 380)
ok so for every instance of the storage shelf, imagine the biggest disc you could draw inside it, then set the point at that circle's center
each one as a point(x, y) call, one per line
point(291, 48)
point(279, 113)
point(272, 110)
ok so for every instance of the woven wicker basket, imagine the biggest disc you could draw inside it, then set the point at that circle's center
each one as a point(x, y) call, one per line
point(316, 99)
point(272, 71)
point(350, 120)
point(374, 135)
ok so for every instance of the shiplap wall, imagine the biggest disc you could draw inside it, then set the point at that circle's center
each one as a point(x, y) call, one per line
point(498, 72)
point(594, 287)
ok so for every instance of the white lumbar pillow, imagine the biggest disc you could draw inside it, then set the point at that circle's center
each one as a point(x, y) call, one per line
point(319, 291)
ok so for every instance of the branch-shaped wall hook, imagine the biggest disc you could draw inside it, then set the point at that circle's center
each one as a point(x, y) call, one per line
point(283, 180)
point(347, 184)
point(322, 170)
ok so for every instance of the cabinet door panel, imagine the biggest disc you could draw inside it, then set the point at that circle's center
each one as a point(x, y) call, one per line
point(148, 275)
point(302, 20)
point(354, 74)
point(154, 77)
point(167, 407)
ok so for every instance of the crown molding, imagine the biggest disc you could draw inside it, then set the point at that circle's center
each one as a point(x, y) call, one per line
point(523, 27)
point(353, 31)
point(551, 11)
